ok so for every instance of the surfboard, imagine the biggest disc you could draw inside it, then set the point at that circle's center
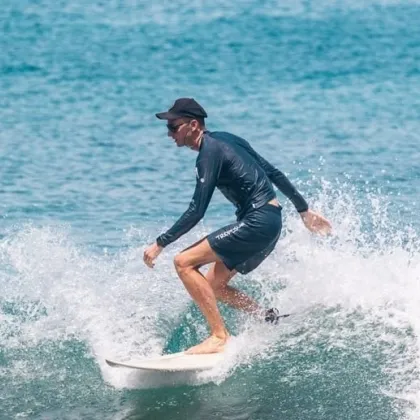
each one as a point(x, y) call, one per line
point(176, 362)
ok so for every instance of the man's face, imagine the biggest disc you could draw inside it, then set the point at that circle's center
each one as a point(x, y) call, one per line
point(178, 129)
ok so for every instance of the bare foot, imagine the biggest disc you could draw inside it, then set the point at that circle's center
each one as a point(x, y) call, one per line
point(213, 344)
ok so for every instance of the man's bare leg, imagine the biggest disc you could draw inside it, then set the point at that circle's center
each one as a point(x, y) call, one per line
point(218, 276)
point(186, 264)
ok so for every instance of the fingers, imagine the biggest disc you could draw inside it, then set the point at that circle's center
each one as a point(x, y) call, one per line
point(324, 230)
point(318, 224)
point(324, 226)
point(148, 259)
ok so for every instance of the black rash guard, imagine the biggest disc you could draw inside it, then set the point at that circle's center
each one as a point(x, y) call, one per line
point(229, 163)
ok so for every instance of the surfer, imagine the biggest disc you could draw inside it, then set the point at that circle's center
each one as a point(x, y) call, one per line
point(245, 178)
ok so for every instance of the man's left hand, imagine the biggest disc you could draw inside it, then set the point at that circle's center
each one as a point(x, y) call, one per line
point(316, 223)
point(151, 253)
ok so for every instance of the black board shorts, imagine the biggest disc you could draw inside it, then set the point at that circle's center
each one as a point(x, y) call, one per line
point(244, 245)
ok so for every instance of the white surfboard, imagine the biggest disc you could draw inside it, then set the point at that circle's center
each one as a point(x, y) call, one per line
point(176, 362)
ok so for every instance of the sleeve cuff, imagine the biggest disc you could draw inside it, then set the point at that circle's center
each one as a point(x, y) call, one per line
point(160, 242)
point(302, 209)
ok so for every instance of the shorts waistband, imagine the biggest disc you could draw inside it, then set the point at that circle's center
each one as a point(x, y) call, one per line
point(258, 206)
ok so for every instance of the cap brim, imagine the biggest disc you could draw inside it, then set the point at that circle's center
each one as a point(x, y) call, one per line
point(167, 116)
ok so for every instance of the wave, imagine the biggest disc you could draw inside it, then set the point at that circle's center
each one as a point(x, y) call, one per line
point(354, 299)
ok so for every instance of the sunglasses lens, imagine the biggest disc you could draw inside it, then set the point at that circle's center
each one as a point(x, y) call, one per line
point(171, 128)
point(174, 128)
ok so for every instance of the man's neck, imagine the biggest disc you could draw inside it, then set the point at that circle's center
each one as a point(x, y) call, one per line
point(197, 140)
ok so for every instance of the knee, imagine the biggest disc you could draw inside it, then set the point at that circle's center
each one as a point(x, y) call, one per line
point(181, 263)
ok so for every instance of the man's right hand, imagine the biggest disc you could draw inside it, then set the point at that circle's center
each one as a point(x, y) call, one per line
point(316, 223)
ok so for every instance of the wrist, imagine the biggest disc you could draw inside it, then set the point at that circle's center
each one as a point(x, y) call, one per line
point(159, 243)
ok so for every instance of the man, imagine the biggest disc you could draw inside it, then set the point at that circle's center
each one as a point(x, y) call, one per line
point(245, 178)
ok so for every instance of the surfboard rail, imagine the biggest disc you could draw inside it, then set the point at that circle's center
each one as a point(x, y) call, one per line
point(176, 362)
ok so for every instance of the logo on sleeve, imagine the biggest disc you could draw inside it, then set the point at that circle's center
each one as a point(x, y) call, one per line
point(198, 176)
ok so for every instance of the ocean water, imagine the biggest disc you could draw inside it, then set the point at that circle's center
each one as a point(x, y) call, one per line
point(328, 91)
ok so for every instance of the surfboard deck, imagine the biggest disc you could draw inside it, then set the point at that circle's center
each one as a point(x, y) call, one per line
point(176, 362)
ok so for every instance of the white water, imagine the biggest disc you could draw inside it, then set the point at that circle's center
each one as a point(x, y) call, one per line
point(358, 289)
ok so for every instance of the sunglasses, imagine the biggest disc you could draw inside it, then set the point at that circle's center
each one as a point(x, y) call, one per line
point(174, 128)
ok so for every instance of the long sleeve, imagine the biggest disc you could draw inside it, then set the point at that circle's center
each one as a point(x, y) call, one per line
point(207, 171)
point(280, 180)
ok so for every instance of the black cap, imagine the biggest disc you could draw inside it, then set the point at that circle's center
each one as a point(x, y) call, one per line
point(183, 107)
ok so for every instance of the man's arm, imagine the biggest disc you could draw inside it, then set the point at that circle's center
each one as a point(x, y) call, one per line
point(208, 169)
point(313, 221)
point(280, 180)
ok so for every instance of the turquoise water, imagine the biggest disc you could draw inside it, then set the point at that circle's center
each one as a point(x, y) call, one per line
point(327, 91)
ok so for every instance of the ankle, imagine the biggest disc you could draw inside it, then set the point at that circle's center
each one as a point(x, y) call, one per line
point(221, 335)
